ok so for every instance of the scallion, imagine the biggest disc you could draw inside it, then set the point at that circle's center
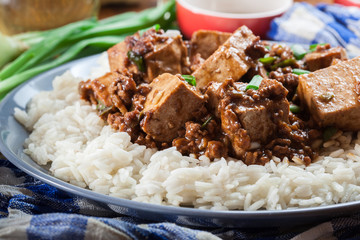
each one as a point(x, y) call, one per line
point(16, 79)
point(294, 108)
point(35, 54)
point(313, 47)
point(190, 79)
point(254, 83)
point(329, 132)
point(206, 122)
point(102, 108)
point(10, 49)
point(285, 63)
point(298, 51)
point(299, 71)
point(267, 60)
point(137, 59)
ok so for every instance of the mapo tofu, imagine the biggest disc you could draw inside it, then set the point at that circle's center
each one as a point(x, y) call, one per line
point(226, 95)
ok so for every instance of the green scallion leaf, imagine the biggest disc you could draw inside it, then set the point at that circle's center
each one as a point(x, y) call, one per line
point(206, 122)
point(102, 108)
point(254, 83)
point(313, 47)
point(137, 59)
point(298, 51)
point(329, 132)
point(157, 27)
point(299, 71)
point(190, 79)
point(267, 60)
point(295, 108)
point(285, 63)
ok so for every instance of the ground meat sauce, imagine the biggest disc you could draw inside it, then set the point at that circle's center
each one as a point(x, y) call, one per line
point(222, 130)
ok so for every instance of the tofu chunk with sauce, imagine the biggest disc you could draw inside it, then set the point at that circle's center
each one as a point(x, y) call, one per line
point(229, 61)
point(206, 42)
point(258, 121)
point(170, 103)
point(324, 58)
point(257, 116)
point(167, 57)
point(105, 90)
point(332, 95)
point(117, 56)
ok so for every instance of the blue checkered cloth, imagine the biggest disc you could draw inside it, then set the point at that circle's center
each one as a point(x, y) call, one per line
point(31, 209)
point(324, 23)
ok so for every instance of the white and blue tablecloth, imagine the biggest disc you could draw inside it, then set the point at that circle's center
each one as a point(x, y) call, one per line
point(31, 209)
point(325, 23)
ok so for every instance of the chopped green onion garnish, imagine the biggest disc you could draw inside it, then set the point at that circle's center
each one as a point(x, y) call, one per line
point(268, 47)
point(254, 83)
point(190, 79)
point(298, 51)
point(206, 122)
point(285, 63)
point(313, 47)
point(102, 108)
point(329, 132)
point(295, 108)
point(157, 27)
point(137, 59)
point(299, 71)
point(326, 97)
point(267, 60)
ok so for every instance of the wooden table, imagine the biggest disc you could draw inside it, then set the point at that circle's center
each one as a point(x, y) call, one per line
point(115, 8)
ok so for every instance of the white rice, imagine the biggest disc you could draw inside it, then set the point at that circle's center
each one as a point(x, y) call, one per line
point(67, 133)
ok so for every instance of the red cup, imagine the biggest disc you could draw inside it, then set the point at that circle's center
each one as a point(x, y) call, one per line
point(228, 15)
point(348, 3)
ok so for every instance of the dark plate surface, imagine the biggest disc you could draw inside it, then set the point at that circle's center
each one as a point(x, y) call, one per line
point(13, 135)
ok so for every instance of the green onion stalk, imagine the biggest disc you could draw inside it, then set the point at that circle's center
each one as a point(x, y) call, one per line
point(10, 49)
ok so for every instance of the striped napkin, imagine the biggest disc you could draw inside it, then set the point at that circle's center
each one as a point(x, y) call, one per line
point(324, 23)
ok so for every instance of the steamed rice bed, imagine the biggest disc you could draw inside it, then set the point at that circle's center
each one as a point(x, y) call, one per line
point(67, 133)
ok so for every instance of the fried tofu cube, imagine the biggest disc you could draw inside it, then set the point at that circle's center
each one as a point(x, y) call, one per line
point(117, 55)
point(206, 42)
point(167, 57)
point(228, 61)
point(257, 119)
point(322, 59)
point(332, 95)
point(254, 116)
point(170, 103)
point(99, 88)
point(214, 95)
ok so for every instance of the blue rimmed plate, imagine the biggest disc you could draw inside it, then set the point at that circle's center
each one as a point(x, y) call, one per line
point(13, 135)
